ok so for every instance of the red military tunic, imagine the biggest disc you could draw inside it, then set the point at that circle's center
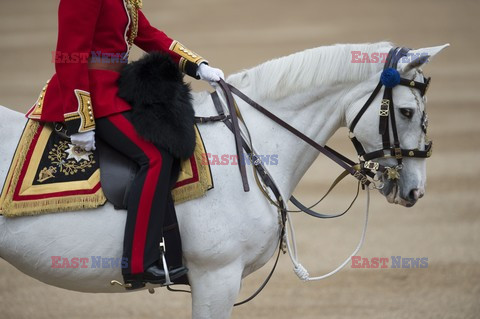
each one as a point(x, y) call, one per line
point(99, 31)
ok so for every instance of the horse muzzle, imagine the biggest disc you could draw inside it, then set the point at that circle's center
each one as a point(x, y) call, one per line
point(396, 193)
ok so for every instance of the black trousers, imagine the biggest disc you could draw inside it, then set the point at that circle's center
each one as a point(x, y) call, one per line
point(150, 204)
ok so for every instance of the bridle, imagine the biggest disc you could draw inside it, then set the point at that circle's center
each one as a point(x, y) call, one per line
point(389, 79)
point(366, 170)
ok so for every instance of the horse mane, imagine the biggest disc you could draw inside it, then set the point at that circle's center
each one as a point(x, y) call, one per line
point(327, 65)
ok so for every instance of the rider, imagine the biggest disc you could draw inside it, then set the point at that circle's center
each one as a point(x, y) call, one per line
point(94, 40)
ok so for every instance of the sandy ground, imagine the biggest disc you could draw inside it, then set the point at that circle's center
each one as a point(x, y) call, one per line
point(444, 226)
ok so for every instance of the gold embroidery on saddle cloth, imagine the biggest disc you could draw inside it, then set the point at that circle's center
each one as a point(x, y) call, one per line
point(46, 173)
point(16, 200)
point(70, 159)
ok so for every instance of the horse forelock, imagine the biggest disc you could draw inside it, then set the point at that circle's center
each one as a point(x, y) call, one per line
point(322, 66)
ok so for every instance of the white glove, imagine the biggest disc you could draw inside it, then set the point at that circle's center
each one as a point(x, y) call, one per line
point(85, 140)
point(207, 73)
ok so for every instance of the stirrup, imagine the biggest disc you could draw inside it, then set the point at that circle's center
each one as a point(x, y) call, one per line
point(163, 249)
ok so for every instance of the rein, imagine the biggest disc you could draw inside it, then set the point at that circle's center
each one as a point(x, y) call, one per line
point(341, 160)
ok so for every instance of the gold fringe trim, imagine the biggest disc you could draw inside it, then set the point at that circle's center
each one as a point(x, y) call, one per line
point(55, 205)
point(10, 208)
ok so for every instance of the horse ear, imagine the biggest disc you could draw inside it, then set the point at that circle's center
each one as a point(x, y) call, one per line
point(417, 58)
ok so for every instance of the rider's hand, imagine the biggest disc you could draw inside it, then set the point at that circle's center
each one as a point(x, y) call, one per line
point(207, 73)
point(85, 140)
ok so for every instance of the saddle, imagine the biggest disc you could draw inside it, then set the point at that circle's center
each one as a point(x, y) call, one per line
point(116, 174)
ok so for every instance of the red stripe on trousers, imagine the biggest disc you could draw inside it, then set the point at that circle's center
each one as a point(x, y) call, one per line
point(148, 189)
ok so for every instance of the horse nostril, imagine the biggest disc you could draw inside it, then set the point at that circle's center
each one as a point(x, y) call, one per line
point(414, 195)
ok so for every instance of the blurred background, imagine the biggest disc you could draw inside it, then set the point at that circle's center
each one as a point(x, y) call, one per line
point(233, 35)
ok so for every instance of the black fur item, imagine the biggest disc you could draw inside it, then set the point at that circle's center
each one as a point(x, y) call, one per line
point(161, 102)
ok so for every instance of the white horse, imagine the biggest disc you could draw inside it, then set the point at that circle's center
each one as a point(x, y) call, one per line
point(229, 233)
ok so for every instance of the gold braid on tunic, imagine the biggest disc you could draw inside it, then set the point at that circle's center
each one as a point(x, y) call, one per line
point(133, 6)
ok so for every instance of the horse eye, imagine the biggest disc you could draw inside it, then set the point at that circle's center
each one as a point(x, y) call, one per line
point(408, 113)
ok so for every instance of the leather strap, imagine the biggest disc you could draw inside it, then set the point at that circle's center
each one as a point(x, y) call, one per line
point(422, 87)
point(217, 104)
point(365, 106)
point(405, 153)
point(310, 212)
point(215, 118)
point(324, 150)
point(257, 164)
point(115, 67)
point(236, 133)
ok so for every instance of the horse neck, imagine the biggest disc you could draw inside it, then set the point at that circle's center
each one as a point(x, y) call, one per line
point(316, 113)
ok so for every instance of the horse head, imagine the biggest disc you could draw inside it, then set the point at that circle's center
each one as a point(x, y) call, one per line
point(397, 142)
